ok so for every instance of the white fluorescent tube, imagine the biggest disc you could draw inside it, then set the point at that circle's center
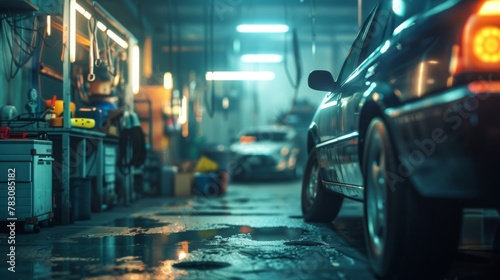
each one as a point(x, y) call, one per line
point(49, 27)
point(72, 30)
point(261, 58)
point(135, 69)
point(262, 28)
point(117, 39)
point(101, 26)
point(240, 76)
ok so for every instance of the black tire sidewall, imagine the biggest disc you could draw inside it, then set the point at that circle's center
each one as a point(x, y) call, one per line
point(326, 205)
point(382, 265)
point(420, 232)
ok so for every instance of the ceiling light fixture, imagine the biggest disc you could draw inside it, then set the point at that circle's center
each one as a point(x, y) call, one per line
point(117, 39)
point(82, 11)
point(136, 79)
point(168, 80)
point(101, 26)
point(72, 30)
point(240, 76)
point(261, 58)
point(262, 28)
point(49, 27)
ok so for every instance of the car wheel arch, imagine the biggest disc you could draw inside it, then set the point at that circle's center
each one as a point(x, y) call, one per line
point(373, 107)
point(370, 111)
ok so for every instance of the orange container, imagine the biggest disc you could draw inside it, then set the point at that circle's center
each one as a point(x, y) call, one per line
point(59, 106)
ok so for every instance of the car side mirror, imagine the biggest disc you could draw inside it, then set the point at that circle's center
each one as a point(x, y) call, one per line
point(321, 80)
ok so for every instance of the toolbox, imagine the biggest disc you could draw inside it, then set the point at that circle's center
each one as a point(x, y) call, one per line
point(26, 181)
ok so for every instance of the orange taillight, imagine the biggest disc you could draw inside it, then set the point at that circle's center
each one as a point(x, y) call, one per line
point(480, 48)
point(486, 44)
point(489, 8)
point(247, 139)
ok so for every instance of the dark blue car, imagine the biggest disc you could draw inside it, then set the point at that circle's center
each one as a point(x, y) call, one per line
point(411, 127)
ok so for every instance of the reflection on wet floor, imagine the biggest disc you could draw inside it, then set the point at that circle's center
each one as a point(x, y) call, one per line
point(135, 254)
point(223, 238)
point(214, 213)
point(223, 207)
point(136, 222)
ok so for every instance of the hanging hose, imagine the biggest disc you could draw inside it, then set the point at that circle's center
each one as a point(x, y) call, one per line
point(298, 63)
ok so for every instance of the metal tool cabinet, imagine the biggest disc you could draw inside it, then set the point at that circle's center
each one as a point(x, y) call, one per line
point(28, 163)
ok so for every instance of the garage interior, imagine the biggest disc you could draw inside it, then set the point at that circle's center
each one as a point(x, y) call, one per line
point(117, 121)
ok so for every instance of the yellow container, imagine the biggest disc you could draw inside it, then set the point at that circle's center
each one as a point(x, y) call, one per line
point(206, 165)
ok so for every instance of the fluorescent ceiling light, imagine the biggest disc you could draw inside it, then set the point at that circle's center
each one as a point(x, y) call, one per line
point(117, 39)
point(261, 58)
point(262, 28)
point(135, 69)
point(72, 30)
point(168, 81)
point(49, 28)
point(82, 11)
point(239, 76)
point(101, 26)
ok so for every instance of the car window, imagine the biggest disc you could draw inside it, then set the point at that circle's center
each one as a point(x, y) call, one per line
point(352, 59)
point(377, 33)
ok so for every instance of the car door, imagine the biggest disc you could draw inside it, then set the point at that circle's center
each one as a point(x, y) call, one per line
point(330, 120)
point(355, 80)
point(357, 83)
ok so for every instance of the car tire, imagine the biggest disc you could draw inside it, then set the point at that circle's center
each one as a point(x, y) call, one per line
point(318, 204)
point(407, 236)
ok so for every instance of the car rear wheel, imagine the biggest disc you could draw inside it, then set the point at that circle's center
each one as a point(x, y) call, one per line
point(318, 204)
point(407, 236)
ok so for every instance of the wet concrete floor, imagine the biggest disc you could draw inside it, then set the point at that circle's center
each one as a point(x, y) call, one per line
point(255, 231)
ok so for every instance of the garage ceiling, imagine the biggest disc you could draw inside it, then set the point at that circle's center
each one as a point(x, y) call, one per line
point(185, 24)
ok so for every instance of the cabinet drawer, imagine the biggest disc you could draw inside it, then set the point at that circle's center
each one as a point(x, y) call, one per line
point(109, 178)
point(110, 160)
point(109, 151)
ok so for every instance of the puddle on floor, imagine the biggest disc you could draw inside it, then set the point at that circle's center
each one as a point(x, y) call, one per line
point(213, 213)
point(111, 255)
point(137, 222)
point(201, 264)
point(223, 207)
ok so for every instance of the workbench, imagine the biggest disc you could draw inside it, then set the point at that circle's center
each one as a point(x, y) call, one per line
point(78, 154)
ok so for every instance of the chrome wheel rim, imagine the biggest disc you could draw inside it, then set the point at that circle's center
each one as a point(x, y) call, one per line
point(312, 185)
point(376, 199)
